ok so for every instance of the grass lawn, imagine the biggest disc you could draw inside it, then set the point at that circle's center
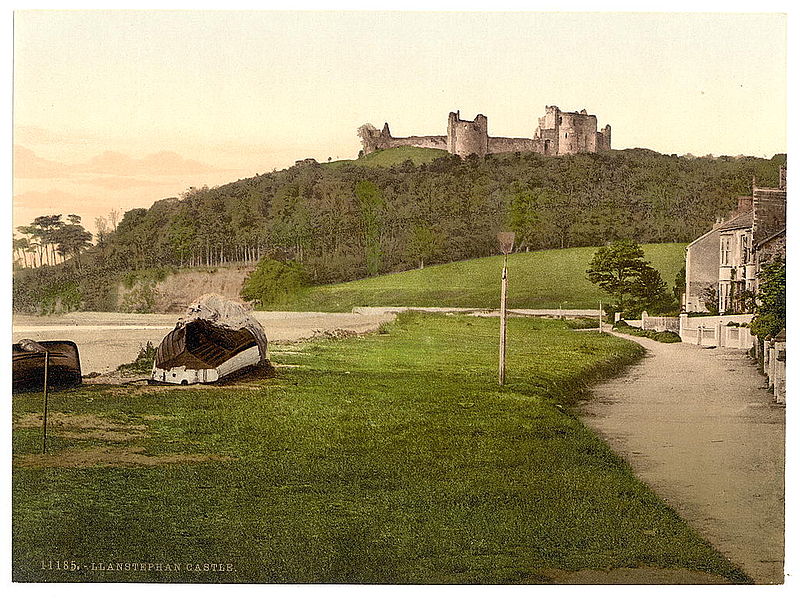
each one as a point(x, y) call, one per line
point(544, 279)
point(393, 457)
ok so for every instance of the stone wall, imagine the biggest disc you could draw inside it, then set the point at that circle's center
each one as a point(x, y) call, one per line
point(505, 144)
point(702, 269)
point(437, 142)
point(715, 331)
point(769, 212)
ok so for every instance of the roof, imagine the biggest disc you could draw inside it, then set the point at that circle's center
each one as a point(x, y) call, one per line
point(775, 235)
point(702, 237)
point(739, 222)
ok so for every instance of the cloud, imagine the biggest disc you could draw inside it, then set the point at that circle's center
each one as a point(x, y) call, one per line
point(121, 183)
point(29, 205)
point(55, 201)
point(158, 164)
point(29, 165)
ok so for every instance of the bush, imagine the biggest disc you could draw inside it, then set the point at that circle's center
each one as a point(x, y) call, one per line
point(141, 299)
point(581, 323)
point(144, 360)
point(273, 282)
point(665, 337)
point(770, 315)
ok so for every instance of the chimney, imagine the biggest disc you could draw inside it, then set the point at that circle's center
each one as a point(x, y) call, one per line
point(745, 204)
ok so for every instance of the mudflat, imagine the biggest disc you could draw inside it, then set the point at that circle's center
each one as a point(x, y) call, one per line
point(107, 340)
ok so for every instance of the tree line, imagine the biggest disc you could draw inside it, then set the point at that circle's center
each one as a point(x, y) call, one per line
point(48, 240)
point(347, 220)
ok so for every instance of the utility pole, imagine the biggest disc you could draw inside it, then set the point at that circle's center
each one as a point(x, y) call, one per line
point(506, 240)
point(600, 326)
point(31, 346)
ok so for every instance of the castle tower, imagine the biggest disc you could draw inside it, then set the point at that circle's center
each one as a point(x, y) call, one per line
point(561, 133)
point(467, 137)
point(604, 139)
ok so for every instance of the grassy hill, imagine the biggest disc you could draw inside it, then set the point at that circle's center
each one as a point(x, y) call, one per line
point(394, 156)
point(544, 279)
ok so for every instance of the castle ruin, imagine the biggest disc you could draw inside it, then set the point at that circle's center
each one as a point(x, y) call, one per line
point(558, 133)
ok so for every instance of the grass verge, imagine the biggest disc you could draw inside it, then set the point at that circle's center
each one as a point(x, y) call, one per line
point(389, 458)
point(665, 337)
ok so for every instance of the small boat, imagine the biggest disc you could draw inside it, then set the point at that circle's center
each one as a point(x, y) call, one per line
point(63, 367)
point(216, 339)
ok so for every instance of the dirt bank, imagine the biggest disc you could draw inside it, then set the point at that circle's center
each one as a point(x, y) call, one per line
point(700, 427)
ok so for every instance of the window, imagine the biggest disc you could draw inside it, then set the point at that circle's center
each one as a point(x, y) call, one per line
point(725, 251)
point(745, 249)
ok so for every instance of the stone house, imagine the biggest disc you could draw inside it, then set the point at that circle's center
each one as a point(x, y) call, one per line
point(729, 256)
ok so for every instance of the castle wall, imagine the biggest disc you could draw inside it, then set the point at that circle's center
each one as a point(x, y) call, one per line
point(558, 133)
point(604, 139)
point(505, 144)
point(437, 142)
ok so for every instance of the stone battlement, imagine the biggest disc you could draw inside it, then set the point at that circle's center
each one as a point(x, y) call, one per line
point(558, 133)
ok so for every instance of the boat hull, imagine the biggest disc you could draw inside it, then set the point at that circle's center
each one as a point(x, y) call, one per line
point(200, 351)
point(63, 369)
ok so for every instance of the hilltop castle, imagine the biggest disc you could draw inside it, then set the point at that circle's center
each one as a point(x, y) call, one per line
point(558, 133)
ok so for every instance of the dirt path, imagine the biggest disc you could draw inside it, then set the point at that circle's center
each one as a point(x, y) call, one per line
point(699, 426)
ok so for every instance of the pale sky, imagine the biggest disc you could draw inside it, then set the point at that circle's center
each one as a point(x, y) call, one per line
point(119, 109)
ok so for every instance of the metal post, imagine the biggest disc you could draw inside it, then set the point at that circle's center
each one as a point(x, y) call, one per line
point(44, 427)
point(503, 289)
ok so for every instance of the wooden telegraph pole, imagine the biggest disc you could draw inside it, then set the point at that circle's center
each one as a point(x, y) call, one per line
point(506, 240)
point(600, 325)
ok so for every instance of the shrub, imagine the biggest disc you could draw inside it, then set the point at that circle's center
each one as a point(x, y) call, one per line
point(273, 282)
point(141, 299)
point(665, 337)
point(144, 360)
point(581, 323)
point(770, 317)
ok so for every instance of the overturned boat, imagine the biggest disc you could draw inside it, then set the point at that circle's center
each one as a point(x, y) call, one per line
point(28, 362)
point(217, 338)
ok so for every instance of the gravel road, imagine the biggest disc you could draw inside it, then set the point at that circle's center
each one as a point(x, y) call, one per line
point(700, 427)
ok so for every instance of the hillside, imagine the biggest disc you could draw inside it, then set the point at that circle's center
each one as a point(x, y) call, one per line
point(394, 210)
point(393, 156)
point(543, 279)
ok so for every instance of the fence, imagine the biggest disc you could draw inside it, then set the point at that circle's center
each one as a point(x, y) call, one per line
point(775, 366)
point(716, 331)
point(661, 323)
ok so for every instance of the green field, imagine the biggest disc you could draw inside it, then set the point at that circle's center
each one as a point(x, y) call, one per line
point(393, 156)
point(391, 458)
point(544, 279)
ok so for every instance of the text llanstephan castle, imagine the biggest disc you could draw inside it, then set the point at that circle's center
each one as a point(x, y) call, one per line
point(558, 133)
